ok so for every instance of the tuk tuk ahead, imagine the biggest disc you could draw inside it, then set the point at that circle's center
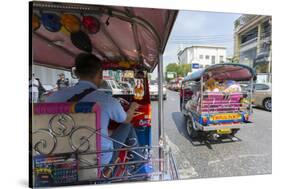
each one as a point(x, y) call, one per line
point(215, 102)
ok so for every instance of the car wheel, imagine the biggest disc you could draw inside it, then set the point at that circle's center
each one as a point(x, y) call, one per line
point(181, 104)
point(190, 127)
point(267, 104)
point(234, 131)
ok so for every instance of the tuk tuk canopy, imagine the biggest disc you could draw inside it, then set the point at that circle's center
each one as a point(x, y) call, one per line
point(124, 34)
point(237, 72)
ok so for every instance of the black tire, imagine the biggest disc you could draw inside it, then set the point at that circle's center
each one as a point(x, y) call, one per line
point(190, 127)
point(267, 104)
point(234, 131)
point(181, 104)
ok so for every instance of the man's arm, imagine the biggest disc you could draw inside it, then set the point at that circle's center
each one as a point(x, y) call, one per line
point(117, 113)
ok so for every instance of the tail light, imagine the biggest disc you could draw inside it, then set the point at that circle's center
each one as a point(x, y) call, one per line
point(204, 120)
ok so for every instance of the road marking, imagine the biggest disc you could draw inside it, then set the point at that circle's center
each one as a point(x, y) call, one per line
point(252, 155)
point(185, 169)
point(214, 162)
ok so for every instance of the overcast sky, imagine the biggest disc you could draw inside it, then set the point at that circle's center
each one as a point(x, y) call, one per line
point(198, 27)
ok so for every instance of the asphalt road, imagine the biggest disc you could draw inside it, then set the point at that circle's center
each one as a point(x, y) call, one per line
point(251, 155)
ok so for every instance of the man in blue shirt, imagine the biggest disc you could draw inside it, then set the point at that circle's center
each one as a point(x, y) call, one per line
point(89, 71)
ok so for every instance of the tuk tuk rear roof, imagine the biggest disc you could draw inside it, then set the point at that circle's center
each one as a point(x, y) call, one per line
point(126, 33)
point(226, 71)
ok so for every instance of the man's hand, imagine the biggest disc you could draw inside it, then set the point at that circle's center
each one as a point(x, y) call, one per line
point(130, 113)
point(134, 106)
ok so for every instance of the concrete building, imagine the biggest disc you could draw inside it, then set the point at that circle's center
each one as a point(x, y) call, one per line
point(201, 56)
point(252, 44)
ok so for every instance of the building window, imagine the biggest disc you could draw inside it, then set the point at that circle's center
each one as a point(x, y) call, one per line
point(201, 56)
point(207, 57)
point(213, 59)
point(221, 59)
point(253, 34)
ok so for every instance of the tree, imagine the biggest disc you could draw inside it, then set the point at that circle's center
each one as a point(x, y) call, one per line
point(172, 67)
point(183, 69)
point(180, 70)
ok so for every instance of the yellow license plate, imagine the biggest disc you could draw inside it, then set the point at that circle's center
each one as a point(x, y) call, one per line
point(225, 117)
point(224, 131)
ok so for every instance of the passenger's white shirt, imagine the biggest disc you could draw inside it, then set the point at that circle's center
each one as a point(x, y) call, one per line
point(110, 109)
point(34, 85)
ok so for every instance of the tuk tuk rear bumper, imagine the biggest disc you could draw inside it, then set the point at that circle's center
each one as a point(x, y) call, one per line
point(223, 126)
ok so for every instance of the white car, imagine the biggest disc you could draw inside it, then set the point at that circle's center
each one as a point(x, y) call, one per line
point(153, 90)
point(127, 87)
point(111, 87)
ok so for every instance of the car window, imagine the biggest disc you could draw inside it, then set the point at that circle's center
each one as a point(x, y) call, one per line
point(113, 84)
point(118, 86)
point(261, 87)
point(105, 85)
point(153, 82)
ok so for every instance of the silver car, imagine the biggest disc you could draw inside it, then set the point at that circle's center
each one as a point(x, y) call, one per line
point(262, 95)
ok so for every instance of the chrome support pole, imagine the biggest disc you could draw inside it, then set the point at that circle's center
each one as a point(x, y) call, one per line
point(160, 113)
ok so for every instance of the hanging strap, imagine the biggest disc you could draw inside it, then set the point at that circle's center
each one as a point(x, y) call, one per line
point(78, 97)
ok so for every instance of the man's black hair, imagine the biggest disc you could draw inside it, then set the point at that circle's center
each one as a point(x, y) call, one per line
point(87, 65)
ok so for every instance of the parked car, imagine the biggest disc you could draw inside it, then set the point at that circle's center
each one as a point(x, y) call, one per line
point(112, 87)
point(262, 95)
point(126, 87)
point(153, 90)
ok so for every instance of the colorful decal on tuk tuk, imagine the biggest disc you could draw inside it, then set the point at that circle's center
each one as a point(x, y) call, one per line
point(139, 89)
point(119, 65)
point(56, 170)
point(51, 22)
point(223, 118)
point(142, 116)
point(70, 22)
point(35, 22)
point(91, 24)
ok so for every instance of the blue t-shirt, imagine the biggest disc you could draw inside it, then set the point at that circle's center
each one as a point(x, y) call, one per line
point(110, 109)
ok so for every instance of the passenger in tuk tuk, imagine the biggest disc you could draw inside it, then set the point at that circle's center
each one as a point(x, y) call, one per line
point(89, 71)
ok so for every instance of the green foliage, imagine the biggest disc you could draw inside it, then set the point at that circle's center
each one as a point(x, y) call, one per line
point(181, 70)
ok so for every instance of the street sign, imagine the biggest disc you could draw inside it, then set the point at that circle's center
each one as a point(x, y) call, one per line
point(170, 75)
point(196, 65)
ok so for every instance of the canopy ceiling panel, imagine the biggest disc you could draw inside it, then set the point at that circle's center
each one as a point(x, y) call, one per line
point(50, 54)
point(126, 33)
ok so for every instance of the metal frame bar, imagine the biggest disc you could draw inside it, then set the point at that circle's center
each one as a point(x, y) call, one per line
point(136, 37)
point(160, 111)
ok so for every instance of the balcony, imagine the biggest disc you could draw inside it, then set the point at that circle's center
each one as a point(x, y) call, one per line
point(243, 20)
point(249, 44)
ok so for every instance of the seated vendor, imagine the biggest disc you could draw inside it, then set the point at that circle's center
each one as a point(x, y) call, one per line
point(211, 86)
